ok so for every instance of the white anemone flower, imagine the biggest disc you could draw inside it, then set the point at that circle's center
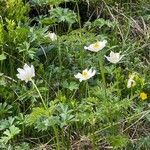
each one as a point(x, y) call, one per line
point(85, 75)
point(52, 36)
point(26, 73)
point(95, 47)
point(114, 57)
point(131, 82)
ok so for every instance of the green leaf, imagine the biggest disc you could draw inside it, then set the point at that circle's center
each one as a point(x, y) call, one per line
point(63, 15)
point(12, 131)
point(71, 86)
point(4, 109)
point(23, 146)
point(118, 141)
point(2, 57)
point(9, 134)
point(44, 50)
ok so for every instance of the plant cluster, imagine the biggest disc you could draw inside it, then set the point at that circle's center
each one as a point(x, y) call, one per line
point(74, 74)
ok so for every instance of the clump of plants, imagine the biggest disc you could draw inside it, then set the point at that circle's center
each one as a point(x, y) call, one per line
point(74, 75)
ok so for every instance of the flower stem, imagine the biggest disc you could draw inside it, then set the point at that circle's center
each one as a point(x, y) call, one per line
point(39, 94)
point(86, 89)
point(57, 138)
point(102, 73)
point(59, 55)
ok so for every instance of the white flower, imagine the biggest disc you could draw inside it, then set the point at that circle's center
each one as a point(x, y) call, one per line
point(85, 75)
point(131, 82)
point(52, 36)
point(114, 57)
point(95, 47)
point(26, 73)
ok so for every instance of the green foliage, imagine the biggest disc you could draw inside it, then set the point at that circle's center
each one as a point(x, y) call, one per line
point(66, 116)
point(28, 52)
point(63, 15)
point(143, 143)
point(101, 23)
point(48, 2)
point(55, 110)
point(71, 86)
point(2, 57)
point(23, 146)
point(1, 34)
point(118, 141)
point(36, 114)
point(5, 109)
point(15, 10)
point(9, 134)
point(45, 123)
point(6, 123)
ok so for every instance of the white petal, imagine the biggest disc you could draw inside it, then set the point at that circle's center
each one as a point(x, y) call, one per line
point(85, 47)
point(111, 54)
point(89, 74)
point(108, 58)
point(32, 71)
point(93, 49)
point(80, 80)
point(26, 73)
point(20, 76)
point(20, 70)
point(26, 67)
point(78, 75)
point(104, 41)
point(101, 45)
point(114, 57)
point(52, 36)
point(85, 70)
point(94, 72)
point(130, 83)
point(90, 71)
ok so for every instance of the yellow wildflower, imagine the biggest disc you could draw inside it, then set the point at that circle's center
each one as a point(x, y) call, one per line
point(143, 96)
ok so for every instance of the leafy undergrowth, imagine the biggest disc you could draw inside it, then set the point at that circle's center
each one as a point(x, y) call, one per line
point(74, 74)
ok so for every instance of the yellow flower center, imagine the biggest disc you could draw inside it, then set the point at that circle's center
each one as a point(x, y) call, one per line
point(96, 45)
point(85, 74)
point(143, 96)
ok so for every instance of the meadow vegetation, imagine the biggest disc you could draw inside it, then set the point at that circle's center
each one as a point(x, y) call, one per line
point(74, 74)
